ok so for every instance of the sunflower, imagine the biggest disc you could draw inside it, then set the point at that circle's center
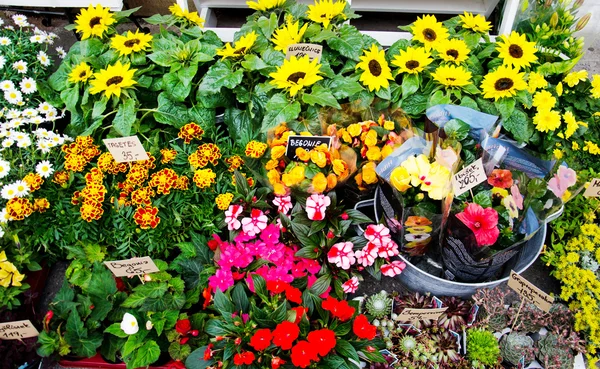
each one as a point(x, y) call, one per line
point(515, 50)
point(240, 48)
point(503, 82)
point(112, 79)
point(325, 10)
point(81, 73)
point(296, 73)
point(376, 71)
point(477, 23)
point(288, 35)
point(93, 21)
point(454, 50)
point(131, 42)
point(412, 60)
point(263, 5)
point(429, 31)
point(191, 17)
point(452, 76)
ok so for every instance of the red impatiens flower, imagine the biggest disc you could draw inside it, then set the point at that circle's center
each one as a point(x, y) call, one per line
point(501, 178)
point(300, 311)
point(483, 223)
point(292, 294)
point(183, 326)
point(206, 294)
point(285, 334)
point(323, 341)
point(246, 358)
point(276, 362)
point(261, 339)
point(208, 353)
point(363, 329)
point(276, 287)
point(303, 354)
point(339, 309)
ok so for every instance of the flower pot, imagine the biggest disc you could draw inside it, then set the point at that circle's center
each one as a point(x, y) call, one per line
point(97, 361)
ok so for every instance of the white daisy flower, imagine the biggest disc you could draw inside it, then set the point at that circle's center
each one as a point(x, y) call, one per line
point(43, 58)
point(4, 133)
point(7, 142)
point(22, 188)
point(42, 133)
point(42, 146)
point(38, 39)
point(13, 113)
point(25, 142)
point(7, 85)
point(19, 18)
point(2, 61)
point(13, 96)
point(50, 38)
point(36, 120)
point(5, 41)
point(44, 169)
point(18, 135)
point(30, 113)
point(4, 168)
point(20, 66)
point(61, 52)
point(15, 123)
point(9, 191)
point(51, 114)
point(44, 107)
point(28, 85)
point(10, 28)
point(4, 217)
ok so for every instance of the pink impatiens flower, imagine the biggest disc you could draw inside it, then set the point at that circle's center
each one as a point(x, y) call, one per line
point(367, 255)
point(393, 269)
point(231, 216)
point(483, 223)
point(378, 234)
point(283, 203)
point(316, 205)
point(351, 285)
point(388, 249)
point(342, 255)
point(222, 280)
point(256, 223)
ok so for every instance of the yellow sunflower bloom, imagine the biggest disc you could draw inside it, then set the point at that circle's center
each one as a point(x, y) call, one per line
point(476, 23)
point(176, 10)
point(93, 21)
point(131, 42)
point(572, 79)
point(429, 31)
point(240, 48)
point(536, 81)
point(263, 5)
point(503, 82)
point(595, 86)
point(376, 71)
point(186, 15)
point(547, 120)
point(296, 73)
point(113, 79)
point(412, 60)
point(454, 50)
point(452, 76)
point(325, 10)
point(81, 73)
point(288, 35)
point(515, 50)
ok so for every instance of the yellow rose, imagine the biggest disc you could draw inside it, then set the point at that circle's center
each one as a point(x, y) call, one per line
point(400, 179)
point(319, 158)
point(387, 150)
point(354, 129)
point(389, 125)
point(369, 175)
point(271, 164)
point(339, 167)
point(331, 181)
point(277, 152)
point(371, 138)
point(374, 153)
point(302, 154)
point(319, 182)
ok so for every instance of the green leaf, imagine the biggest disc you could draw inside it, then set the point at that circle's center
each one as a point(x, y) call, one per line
point(145, 355)
point(307, 252)
point(346, 350)
point(47, 344)
point(410, 84)
point(171, 112)
point(99, 107)
point(196, 359)
point(115, 329)
point(349, 43)
point(63, 301)
point(525, 98)
point(519, 126)
point(254, 62)
point(220, 75)
point(91, 47)
point(203, 116)
point(457, 129)
point(179, 85)
point(178, 351)
point(324, 35)
point(102, 283)
point(384, 93)
point(505, 106)
point(301, 231)
point(279, 109)
point(414, 105)
point(70, 97)
point(468, 102)
point(343, 87)
point(321, 285)
point(222, 303)
point(260, 286)
point(77, 337)
point(484, 199)
point(358, 217)
point(240, 299)
point(321, 96)
point(162, 58)
point(438, 98)
point(239, 124)
point(125, 118)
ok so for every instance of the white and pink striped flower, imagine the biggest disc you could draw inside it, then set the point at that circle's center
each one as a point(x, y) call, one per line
point(393, 269)
point(316, 205)
point(378, 234)
point(342, 255)
point(366, 257)
point(351, 285)
point(256, 223)
point(231, 217)
point(388, 249)
point(283, 203)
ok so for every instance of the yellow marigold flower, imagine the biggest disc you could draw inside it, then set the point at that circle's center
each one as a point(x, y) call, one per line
point(91, 210)
point(223, 201)
point(331, 181)
point(168, 155)
point(558, 154)
point(386, 151)
point(255, 149)
point(536, 80)
point(41, 205)
point(189, 132)
point(142, 196)
point(371, 138)
point(75, 163)
point(146, 217)
point(60, 177)
point(374, 153)
point(355, 129)
point(234, 162)
point(277, 152)
point(18, 208)
point(572, 79)
point(137, 175)
point(319, 158)
point(207, 153)
point(369, 176)
point(543, 100)
point(319, 183)
point(164, 180)
point(203, 178)
point(547, 120)
point(183, 183)
point(34, 181)
point(574, 146)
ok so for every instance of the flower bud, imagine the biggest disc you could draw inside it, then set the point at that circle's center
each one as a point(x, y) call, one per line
point(238, 341)
point(149, 325)
point(345, 216)
point(184, 340)
point(395, 316)
point(147, 277)
point(554, 20)
point(330, 235)
point(577, 4)
point(583, 21)
point(389, 344)
point(219, 338)
point(548, 3)
point(376, 322)
point(195, 333)
point(371, 349)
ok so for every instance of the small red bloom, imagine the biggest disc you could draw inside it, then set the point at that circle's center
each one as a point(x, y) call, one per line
point(345, 216)
point(276, 287)
point(276, 362)
point(370, 349)
point(238, 341)
point(208, 353)
point(195, 333)
point(120, 285)
point(303, 354)
point(207, 297)
point(285, 334)
point(323, 340)
point(293, 294)
point(219, 338)
point(246, 358)
point(330, 235)
point(501, 178)
point(177, 364)
point(339, 309)
point(183, 326)
point(183, 340)
point(261, 339)
point(300, 311)
point(363, 329)
point(213, 244)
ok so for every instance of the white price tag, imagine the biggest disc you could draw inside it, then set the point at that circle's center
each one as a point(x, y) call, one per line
point(299, 50)
point(593, 189)
point(126, 149)
point(469, 177)
point(132, 267)
point(17, 330)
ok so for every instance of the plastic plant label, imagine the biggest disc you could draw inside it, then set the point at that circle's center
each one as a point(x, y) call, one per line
point(421, 314)
point(521, 363)
point(593, 189)
point(313, 51)
point(132, 267)
point(17, 330)
point(530, 292)
point(437, 303)
point(306, 142)
point(469, 177)
point(126, 149)
point(472, 315)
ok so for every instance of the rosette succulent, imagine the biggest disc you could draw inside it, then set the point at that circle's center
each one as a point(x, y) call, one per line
point(379, 305)
point(446, 346)
point(414, 301)
point(515, 345)
point(454, 318)
point(482, 347)
point(554, 353)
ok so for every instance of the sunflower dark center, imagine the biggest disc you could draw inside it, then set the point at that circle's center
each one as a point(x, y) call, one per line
point(429, 34)
point(515, 51)
point(295, 77)
point(451, 79)
point(114, 80)
point(95, 21)
point(132, 42)
point(82, 74)
point(412, 64)
point(503, 84)
point(324, 15)
point(240, 50)
point(453, 53)
point(375, 68)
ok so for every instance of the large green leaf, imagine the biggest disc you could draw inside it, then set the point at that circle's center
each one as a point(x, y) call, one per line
point(171, 112)
point(343, 87)
point(321, 96)
point(179, 84)
point(222, 303)
point(505, 106)
point(82, 344)
point(102, 283)
point(125, 118)
point(280, 109)
point(240, 299)
point(346, 350)
point(519, 126)
point(220, 75)
point(196, 359)
point(349, 43)
point(239, 124)
point(145, 355)
point(63, 301)
point(70, 96)
point(203, 116)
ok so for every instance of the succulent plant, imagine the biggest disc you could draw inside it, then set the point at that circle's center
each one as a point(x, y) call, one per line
point(530, 319)
point(561, 318)
point(515, 345)
point(491, 307)
point(482, 346)
point(414, 301)
point(554, 353)
point(446, 347)
point(379, 305)
point(407, 344)
point(455, 317)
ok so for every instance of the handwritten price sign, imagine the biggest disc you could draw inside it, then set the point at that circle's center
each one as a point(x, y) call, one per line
point(593, 189)
point(300, 50)
point(421, 314)
point(126, 149)
point(530, 292)
point(17, 330)
point(469, 177)
point(132, 267)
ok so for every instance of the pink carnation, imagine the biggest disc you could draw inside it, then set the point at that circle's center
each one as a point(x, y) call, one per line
point(316, 205)
point(483, 223)
point(351, 285)
point(342, 255)
point(393, 269)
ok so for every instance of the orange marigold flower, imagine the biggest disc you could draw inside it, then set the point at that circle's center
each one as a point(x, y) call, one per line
point(203, 178)
point(208, 153)
point(183, 183)
point(223, 201)
point(34, 181)
point(126, 187)
point(150, 163)
point(60, 177)
point(255, 149)
point(234, 162)
point(83, 142)
point(75, 162)
point(91, 210)
point(95, 175)
point(93, 192)
point(90, 153)
point(41, 205)
point(142, 196)
point(163, 180)
point(71, 148)
point(107, 163)
point(18, 208)
point(168, 155)
point(137, 175)
point(190, 131)
point(146, 217)
point(76, 197)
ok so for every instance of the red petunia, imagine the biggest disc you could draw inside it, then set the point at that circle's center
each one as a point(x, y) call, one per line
point(276, 287)
point(261, 339)
point(276, 362)
point(339, 309)
point(363, 329)
point(177, 364)
point(323, 340)
point(285, 334)
point(501, 178)
point(293, 294)
point(300, 311)
point(183, 326)
point(303, 354)
point(246, 358)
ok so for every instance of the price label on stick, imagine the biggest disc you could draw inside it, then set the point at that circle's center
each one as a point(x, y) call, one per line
point(421, 314)
point(593, 189)
point(469, 177)
point(126, 149)
point(300, 50)
point(530, 292)
point(132, 267)
point(17, 330)
point(306, 142)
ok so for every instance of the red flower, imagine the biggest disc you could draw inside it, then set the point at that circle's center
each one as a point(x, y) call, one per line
point(120, 285)
point(501, 178)
point(183, 340)
point(246, 358)
point(363, 329)
point(293, 294)
point(177, 364)
point(208, 353)
point(276, 362)
point(213, 244)
point(483, 223)
point(323, 340)
point(183, 326)
point(339, 309)
point(300, 311)
point(276, 287)
point(285, 334)
point(207, 297)
point(303, 354)
point(261, 339)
